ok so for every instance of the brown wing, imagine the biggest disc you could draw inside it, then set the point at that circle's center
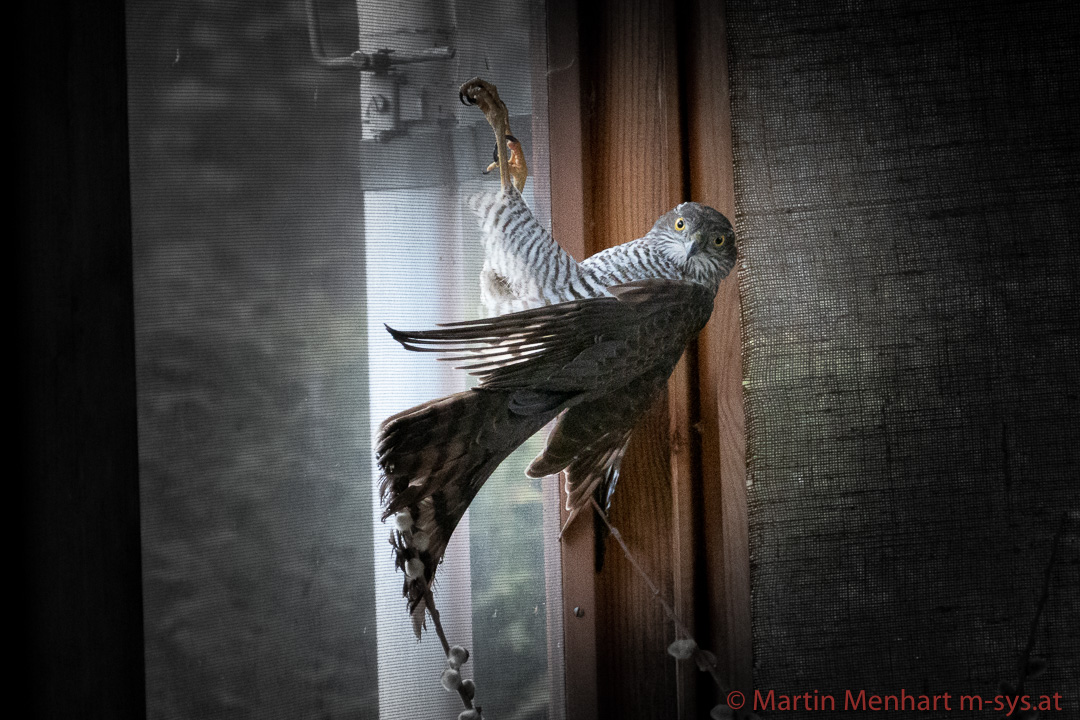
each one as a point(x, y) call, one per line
point(587, 347)
point(604, 359)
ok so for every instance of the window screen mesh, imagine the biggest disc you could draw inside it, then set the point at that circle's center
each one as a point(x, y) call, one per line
point(272, 240)
point(907, 205)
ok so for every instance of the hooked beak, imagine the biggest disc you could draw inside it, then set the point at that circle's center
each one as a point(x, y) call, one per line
point(695, 245)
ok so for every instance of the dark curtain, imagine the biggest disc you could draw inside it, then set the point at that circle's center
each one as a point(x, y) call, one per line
point(906, 179)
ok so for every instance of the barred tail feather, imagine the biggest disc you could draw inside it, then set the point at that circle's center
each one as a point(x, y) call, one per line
point(434, 458)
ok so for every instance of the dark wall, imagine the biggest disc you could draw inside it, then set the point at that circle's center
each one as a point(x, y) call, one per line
point(77, 486)
point(907, 189)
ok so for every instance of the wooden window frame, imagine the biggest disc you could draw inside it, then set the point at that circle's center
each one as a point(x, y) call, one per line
point(640, 121)
point(78, 444)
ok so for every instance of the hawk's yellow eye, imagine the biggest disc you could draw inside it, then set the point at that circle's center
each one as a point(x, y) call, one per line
point(680, 224)
point(719, 240)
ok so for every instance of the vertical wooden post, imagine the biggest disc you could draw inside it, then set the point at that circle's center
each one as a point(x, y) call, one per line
point(633, 174)
point(723, 432)
point(685, 531)
point(654, 131)
point(568, 225)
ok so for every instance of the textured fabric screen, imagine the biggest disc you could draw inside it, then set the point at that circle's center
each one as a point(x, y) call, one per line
point(907, 188)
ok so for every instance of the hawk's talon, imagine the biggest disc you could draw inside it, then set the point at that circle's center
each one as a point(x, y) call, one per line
point(483, 94)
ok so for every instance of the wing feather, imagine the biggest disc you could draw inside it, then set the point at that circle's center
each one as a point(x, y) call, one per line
point(590, 346)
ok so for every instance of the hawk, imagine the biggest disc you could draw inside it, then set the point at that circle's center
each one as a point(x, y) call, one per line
point(591, 344)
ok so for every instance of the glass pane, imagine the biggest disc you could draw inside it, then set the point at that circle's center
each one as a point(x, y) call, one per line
point(282, 214)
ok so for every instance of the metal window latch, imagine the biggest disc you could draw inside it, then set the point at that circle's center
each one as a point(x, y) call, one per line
point(383, 59)
point(380, 61)
point(388, 104)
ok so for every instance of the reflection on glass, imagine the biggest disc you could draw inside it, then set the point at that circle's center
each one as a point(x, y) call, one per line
point(271, 244)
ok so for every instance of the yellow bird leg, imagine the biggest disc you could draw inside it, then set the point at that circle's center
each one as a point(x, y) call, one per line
point(519, 171)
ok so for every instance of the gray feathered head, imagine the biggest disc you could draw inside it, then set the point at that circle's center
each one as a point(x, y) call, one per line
point(698, 239)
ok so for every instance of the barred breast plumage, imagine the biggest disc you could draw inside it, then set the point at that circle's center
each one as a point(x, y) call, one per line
point(524, 267)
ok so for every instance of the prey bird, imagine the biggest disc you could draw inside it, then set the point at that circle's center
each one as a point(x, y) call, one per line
point(591, 344)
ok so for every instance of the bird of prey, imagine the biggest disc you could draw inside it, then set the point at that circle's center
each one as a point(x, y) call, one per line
point(590, 343)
